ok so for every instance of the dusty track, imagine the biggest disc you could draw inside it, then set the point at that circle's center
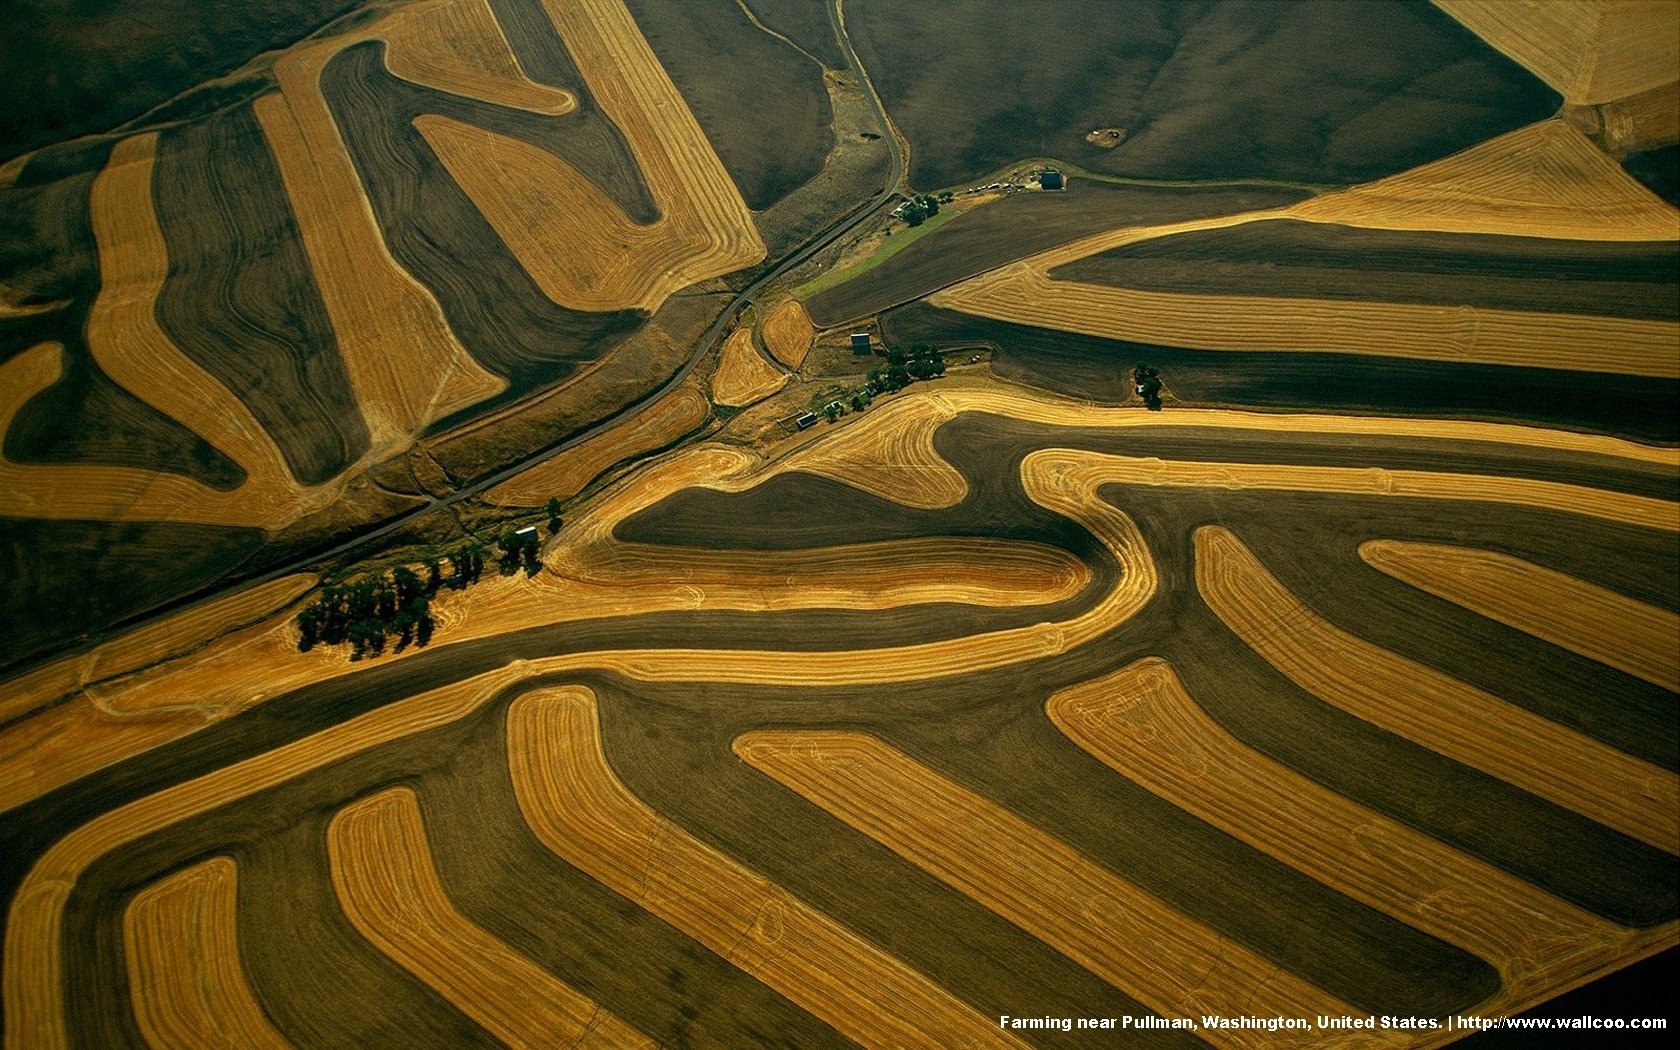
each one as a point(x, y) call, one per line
point(788, 333)
point(567, 474)
point(188, 986)
point(579, 246)
point(1597, 623)
point(1588, 52)
point(1431, 709)
point(578, 808)
point(1141, 722)
point(743, 376)
point(1162, 957)
point(382, 870)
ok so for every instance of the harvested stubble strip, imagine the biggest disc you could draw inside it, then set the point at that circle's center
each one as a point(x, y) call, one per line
point(1593, 52)
point(404, 363)
point(181, 939)
point(1141, 722)
point(458, 46)
point(1600, 624)
point(743, 376)
point(893, 457)
point(383, 873)
point(566, 474)
point(576, 243)
point(1431, 709)
point(578, 808)
point(788, 333)
point(1165, 959)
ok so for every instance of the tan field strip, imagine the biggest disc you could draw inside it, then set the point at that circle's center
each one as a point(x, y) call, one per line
point(1600, 624)
point(1024, 294)
point(565, 474)
point(1431, 709)
point(458, 46)
point(743, 375)
point(130, 346)
point(405, 365)
point(1588, 52)
point(245, 669)
point(581, 811)
point(148, 645)
point(576, 243)
point(383, 872)
point(1141, 722)
point(788, 333)
point(893, 457)
point(181, 939)
point(1165, 959)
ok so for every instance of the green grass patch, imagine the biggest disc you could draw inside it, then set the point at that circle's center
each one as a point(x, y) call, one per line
point(890, 246)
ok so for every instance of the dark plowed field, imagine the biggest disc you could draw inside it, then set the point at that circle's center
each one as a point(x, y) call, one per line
point(1283, 257)
point(1323, 92)
point(761, 103)
point(806, 24)
point(1020, 225)
point(1087, 366)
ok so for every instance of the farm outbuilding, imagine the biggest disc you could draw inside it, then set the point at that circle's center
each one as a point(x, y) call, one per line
point(860, 342)
point(1051, 180)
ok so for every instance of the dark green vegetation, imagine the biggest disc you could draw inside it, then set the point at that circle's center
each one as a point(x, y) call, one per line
point(670, 742)
point(1020, 225)
point(1284, 257)
point(432, 228)
point(761, 103)
point(1658, 169)
point(1636, 407)
point(240, 298)
point(366, 611)
point(903, 367)
point(1323, 92)
point(806, 23)
point(80, 66)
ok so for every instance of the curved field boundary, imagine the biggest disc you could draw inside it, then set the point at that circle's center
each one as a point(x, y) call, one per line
point(1588, 52)
point(1142, 723)
point(581, 812)
point(743, 376)
point(405, 364)
point(568, 473)
point(383, 873)
point(34, 993)
point(1429, 708)
point(149, 645)
point(181, 938)
point(1600, 624)
point(788, 332)
point(893, 457)
point(457, 46)
point(1023, 293)
point(578, 245)
point(1165, 959)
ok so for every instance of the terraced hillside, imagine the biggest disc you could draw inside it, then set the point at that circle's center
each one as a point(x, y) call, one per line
point(1340, 684)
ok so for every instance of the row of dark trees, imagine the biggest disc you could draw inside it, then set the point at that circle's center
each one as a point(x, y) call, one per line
point(903, 367)
point(368, 612)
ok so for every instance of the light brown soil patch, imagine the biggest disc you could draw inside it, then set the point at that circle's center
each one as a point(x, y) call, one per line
point(383, 872)
point(1589, 52)
point(743, 375)
point(1429, 708)
point(1141, 722)
point(1599, 624)
point(181, 936)
point(566, 474)
point(405, 365)
point(579, 246)
point(1165, 959)
point(458, 46)
point(1105, 138)
point(788, 333)
point(581, 812)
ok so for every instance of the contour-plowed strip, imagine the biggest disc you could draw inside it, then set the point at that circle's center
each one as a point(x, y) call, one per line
point(1429, 708)
point(382, 869)
point(1165, 959)
point(580, 810)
